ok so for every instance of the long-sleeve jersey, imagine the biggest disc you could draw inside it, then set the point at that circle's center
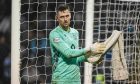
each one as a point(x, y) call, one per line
point(66, 56)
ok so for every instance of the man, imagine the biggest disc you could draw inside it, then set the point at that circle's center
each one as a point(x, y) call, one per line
point(65, 52)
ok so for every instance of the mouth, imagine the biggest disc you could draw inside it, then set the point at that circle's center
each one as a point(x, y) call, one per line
point(66, 23)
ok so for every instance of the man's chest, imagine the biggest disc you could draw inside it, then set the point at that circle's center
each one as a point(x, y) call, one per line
point(71, 39)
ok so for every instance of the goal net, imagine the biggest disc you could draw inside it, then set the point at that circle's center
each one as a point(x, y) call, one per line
point(37, 19)
point(36, 22)
point(122, 15)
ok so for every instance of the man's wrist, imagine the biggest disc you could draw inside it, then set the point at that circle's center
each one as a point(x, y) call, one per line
point(87, 49)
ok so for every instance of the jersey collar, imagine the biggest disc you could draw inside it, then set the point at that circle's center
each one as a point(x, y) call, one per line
point(61, 29)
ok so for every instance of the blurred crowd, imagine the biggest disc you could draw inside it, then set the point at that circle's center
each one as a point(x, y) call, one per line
point(5, 41)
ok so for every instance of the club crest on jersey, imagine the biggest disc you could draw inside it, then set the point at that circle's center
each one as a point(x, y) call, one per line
point(56, 40)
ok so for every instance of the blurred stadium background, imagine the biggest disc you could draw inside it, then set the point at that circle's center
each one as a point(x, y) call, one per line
point(5, 41)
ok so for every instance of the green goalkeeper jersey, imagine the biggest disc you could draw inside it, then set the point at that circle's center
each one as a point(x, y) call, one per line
point(66, 56)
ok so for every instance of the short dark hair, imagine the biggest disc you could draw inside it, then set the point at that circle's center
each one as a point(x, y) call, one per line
point(62, 7)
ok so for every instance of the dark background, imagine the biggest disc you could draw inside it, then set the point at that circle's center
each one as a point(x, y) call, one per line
point(5, 41)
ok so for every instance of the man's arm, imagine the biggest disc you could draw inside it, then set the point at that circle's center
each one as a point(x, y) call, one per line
point(90, 59)
point(81, 59)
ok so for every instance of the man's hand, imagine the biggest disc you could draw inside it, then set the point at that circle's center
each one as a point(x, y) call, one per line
point(97, 48)
point(93, 59)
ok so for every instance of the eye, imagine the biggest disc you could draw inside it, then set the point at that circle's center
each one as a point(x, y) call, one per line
point(61, 16)
point(67, 15)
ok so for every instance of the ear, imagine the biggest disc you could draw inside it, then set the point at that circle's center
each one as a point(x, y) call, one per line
point(70, 15)
point(56, 17)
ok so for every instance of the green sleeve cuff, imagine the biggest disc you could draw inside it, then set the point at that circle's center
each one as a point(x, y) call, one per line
point(84, 51)
point(82, 59)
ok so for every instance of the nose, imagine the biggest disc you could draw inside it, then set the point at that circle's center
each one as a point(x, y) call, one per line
point(65, 18)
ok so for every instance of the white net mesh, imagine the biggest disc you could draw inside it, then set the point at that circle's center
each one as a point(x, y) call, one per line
point(123, 16)
point(38, 19)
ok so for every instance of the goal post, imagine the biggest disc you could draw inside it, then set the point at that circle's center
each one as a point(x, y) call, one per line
point(89, 39)
point(15, 43)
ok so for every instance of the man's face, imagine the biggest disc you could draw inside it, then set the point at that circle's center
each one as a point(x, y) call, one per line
point(63, 17)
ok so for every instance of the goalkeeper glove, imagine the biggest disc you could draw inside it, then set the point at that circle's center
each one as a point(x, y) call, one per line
point(97, 48)
point(94, 52)
point(93, 59)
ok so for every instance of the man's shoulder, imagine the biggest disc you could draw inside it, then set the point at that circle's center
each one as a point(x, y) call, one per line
point(74, 30)
point(54, 31)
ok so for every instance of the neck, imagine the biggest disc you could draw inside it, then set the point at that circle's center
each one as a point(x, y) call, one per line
point(66, 28)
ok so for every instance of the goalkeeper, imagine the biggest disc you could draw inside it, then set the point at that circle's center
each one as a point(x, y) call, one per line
point(64, 48)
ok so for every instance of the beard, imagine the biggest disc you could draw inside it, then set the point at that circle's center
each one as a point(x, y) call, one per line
point(65, 24)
